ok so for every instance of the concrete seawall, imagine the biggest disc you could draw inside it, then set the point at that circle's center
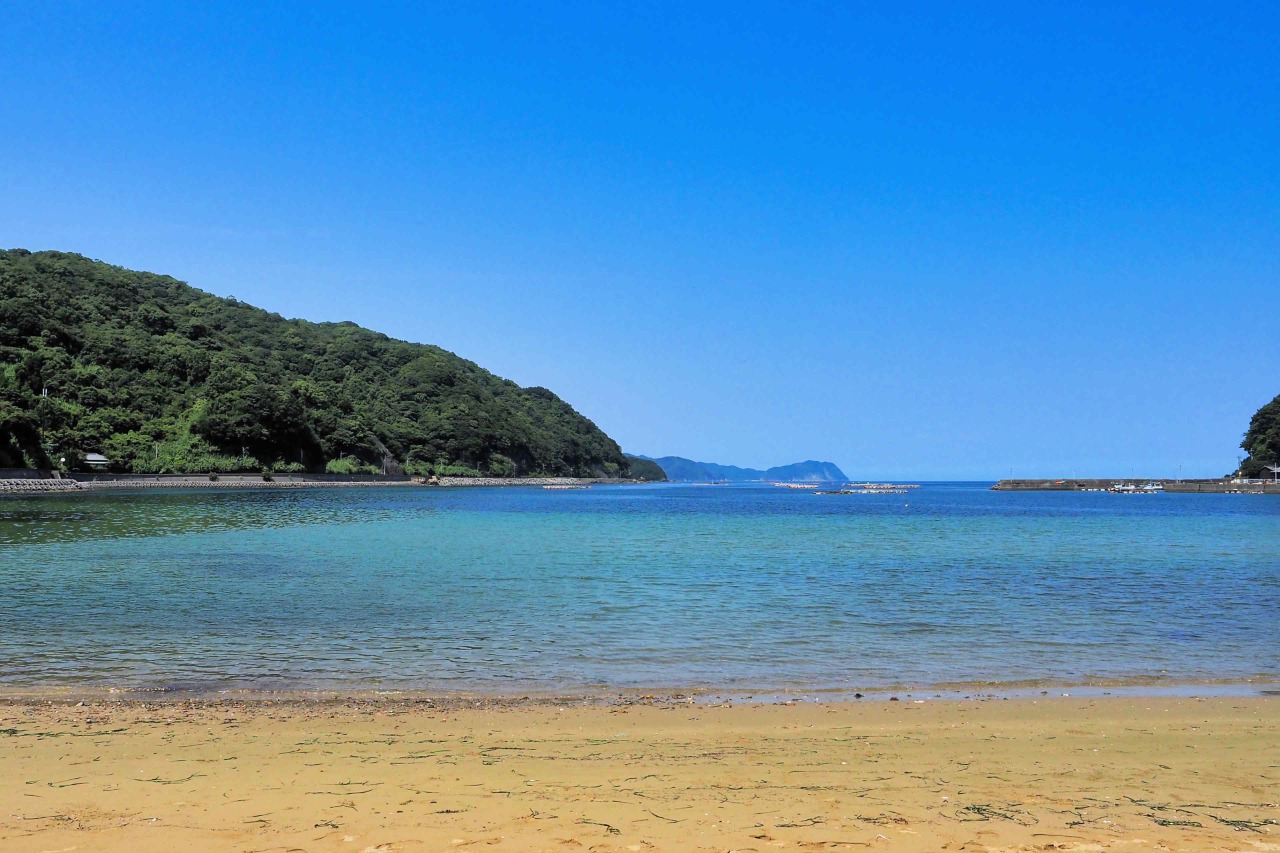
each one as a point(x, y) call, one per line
point(1225, 487)
point(528, 481)
point(1220, 486)
point(28, 484)
point(70, 484)
point(1065, 485)
point(79, 482)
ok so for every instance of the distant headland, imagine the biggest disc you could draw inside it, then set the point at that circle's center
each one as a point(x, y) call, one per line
point(679, 469)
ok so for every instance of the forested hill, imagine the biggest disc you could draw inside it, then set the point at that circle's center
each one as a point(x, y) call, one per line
point(1262, 441)
point(646, 469)
point(161, 377)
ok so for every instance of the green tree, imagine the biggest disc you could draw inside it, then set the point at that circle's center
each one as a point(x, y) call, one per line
point(1262, 441)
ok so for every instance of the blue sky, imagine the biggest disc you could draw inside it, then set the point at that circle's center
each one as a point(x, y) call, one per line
point(928, 241)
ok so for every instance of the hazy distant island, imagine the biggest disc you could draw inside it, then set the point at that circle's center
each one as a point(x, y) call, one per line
point(106, 368)
point(679, 469)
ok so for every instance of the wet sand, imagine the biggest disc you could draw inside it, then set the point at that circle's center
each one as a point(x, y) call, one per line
point(1173, 773)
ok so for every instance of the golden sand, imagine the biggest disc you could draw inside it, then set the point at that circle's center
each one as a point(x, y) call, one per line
point(1055, 774)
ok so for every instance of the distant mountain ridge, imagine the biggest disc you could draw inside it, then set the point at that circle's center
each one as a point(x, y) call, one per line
point(678, 468)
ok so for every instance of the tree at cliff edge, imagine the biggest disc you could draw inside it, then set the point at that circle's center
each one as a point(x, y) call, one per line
point(1262, 441)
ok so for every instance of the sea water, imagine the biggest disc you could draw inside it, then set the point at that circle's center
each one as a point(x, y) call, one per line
point(662, 586)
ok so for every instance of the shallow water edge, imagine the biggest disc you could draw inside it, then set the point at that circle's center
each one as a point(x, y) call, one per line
point(666, 589)
point(1262, 686)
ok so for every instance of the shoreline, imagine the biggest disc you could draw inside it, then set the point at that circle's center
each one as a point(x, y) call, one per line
point(1219, 486)
point(1056, 774)
point(79, 484)
point(604, 697)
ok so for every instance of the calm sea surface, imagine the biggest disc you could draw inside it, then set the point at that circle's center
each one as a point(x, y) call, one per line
point(632, 586)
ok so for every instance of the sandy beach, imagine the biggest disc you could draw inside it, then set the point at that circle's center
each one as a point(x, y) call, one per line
point(1017, 774)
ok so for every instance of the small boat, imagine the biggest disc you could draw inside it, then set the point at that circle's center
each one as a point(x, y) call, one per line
point(1135, 489)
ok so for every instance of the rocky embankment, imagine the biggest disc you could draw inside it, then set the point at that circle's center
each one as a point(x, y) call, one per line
point(1064, 485)
point(255, 481)
point(1218, 486)
point(39, 486)
point(30, 485)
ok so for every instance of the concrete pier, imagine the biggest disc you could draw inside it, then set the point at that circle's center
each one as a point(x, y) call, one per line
point(1219, 486)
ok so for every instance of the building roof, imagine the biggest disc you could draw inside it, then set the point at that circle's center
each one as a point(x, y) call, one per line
point(95, 457)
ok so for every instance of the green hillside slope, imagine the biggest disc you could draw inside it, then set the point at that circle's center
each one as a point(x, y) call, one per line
point(162, 377)
point(646, 469)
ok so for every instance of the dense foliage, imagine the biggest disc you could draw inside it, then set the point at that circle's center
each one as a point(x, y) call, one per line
point(161, 377)
point(646, 469)
point(1262, 441)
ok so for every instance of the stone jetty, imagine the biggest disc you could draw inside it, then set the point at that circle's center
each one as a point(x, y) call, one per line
point(526, 481)
point(25, 485)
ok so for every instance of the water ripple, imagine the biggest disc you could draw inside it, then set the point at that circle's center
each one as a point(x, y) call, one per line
point(632, 586)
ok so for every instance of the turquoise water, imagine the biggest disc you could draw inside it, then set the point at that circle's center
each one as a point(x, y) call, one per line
point(632, 586)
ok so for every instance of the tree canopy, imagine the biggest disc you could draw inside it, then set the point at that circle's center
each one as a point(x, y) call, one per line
point(1262, 441)
point(162, 377)
point(646, 469)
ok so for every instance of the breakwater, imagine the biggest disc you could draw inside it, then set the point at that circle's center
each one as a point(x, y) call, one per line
point(76, 482)
point(1228, 487)
point(1072, 484)
point(1218, 486)
point(81, 481)
point(528, 481)
point(27, 484)
point(170, 481)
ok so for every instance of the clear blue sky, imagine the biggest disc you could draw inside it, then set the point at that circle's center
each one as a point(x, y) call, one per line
point(929, 241)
